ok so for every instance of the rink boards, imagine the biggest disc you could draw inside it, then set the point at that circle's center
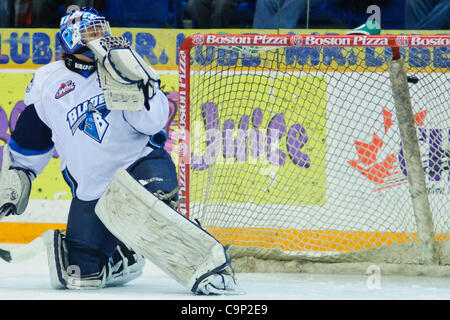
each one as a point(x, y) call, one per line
point(50, 196)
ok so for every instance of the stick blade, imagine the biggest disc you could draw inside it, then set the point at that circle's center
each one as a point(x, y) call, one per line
point(5, 255)
point(24, 252)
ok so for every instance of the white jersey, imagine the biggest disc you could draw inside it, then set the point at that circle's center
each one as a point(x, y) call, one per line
point(92, 141)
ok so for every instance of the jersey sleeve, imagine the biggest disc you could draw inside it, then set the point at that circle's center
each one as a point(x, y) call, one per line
point(150, 121)
point(33, 93)
point(31, 144)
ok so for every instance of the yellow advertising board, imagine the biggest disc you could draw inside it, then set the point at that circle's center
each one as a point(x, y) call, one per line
point(22, 51)
point(32, 48)
point(294, 125)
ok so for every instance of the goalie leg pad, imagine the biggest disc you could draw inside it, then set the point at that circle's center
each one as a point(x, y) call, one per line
point(175, 244)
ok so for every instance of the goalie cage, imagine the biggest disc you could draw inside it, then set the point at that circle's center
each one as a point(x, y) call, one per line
point(302, 151)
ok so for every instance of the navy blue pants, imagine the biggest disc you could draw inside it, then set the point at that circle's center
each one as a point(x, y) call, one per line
point(90, 244)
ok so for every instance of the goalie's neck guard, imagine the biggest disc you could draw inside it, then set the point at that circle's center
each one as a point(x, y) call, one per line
point(79, 66)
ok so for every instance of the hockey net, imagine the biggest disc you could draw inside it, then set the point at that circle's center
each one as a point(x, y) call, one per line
point(290, 148)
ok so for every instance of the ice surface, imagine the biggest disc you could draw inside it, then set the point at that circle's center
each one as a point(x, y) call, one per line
point(29, 280)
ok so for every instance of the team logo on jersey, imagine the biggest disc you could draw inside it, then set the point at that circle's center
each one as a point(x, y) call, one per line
point(89, 117)
point(65, 88)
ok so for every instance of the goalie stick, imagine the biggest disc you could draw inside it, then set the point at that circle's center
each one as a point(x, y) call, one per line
point(24, 252)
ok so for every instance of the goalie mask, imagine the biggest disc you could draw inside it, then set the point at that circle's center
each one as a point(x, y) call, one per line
point(79, 27)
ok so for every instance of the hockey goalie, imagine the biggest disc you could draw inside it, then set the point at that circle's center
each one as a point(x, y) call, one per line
point(102, 109)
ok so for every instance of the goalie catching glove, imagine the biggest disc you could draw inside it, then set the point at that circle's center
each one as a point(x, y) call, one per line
point(127, 80)
point(15, 187)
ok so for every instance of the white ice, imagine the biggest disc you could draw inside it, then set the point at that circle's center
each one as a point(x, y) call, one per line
point(29, 280)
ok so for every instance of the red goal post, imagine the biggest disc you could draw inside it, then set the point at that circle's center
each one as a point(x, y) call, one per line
point(252, 45)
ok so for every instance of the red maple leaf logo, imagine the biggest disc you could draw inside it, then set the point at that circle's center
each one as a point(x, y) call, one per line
point(367, 164)
point(379, 171)
point(367, 156)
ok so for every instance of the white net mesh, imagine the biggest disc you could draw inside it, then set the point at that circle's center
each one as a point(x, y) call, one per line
point(115, 42)
point(296, 152)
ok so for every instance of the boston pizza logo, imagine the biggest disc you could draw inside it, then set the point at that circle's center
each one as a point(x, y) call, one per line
point(296, 40)
point(402, 40)
point(197, 39)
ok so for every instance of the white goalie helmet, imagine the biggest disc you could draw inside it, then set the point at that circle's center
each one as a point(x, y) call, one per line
point(79, 27)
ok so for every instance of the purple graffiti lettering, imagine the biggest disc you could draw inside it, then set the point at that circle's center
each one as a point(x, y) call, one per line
point(210, 116)
point(241, 140)
point(257, 117)
point(435, 154)
point(11, 123)
point(296, 139)
point(4, 136)
point(275, 131)
point(256, 137)
point(248, 138)
point(227, 136)
point(435, 166)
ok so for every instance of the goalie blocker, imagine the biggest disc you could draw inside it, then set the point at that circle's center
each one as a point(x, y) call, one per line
point(15, 186)
point(178, 246)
